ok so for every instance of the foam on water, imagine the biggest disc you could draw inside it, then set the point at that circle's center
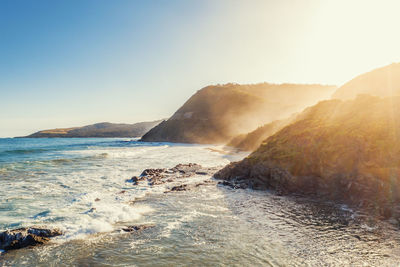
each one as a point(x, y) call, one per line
point(81, 185)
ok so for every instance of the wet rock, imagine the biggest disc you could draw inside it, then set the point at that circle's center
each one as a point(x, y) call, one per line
point(161, 176)
point(135, 180)
point(153, 172)
point(187, 187)
point(226, 183)
point(182, 187)
point(136, 228)
point(187, 168)
point(24, 237)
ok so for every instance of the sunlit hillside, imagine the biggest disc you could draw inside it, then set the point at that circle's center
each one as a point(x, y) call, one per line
point(252, 140)
point(383, 81)
point(216, 114)
point(341, 150)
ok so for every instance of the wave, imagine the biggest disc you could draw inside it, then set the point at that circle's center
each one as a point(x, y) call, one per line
point(23, 151)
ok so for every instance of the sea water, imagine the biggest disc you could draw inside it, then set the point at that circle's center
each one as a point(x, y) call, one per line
point(80, 186)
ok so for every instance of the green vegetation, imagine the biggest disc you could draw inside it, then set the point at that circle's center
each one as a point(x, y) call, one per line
point(252, 140)
point(339, 150)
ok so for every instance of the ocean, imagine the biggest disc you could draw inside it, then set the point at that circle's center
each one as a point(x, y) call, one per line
point(80, 186)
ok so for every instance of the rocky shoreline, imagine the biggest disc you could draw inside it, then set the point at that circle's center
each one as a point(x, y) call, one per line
point(361, 192)
point(236, 175)
point(35, 236)
point(156, 177)
point(26, 237)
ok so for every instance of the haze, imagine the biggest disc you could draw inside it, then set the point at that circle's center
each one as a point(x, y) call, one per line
point(70, 63)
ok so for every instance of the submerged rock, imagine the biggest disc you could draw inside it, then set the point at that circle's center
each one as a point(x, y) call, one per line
point(24, 237)
point(182, 187)
point(188, 187)
point(136, 228)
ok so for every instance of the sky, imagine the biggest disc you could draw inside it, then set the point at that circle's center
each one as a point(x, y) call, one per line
point(76, 62)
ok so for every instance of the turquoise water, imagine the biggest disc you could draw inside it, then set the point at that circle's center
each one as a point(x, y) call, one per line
point(55, 181)
point(76, 185)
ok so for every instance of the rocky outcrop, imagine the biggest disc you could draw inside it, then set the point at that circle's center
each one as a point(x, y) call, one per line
point(173, 177)
point(161, 176)
point(25, 237)
point(104, 129)
point(345, 151)
point(216, 114)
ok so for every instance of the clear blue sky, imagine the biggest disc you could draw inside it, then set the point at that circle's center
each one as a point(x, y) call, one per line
point(69, 63)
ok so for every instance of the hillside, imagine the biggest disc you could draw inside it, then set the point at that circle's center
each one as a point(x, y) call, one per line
point(252, 140)
point(216, 114)
point(104, 129)
point(382, 82)
point(347, 151)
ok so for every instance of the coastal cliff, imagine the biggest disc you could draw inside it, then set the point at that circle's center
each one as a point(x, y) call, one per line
point(345, 151)
point(104, 129)
point(216, 114)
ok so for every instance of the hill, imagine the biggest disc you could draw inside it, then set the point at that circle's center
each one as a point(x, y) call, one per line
point(383, 82)
point(252, 140)
point(347, 151)
point(104, 129)
point(216, 114)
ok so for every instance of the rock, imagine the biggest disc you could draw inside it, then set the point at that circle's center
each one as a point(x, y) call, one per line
point(182, 187)
point(225, 183)
point(136, 228)
point(134, 180)
point(152, 172)
point(24, 237)
point(187, 187)
point(161, 176)
point(97, 199)
point(187, 168)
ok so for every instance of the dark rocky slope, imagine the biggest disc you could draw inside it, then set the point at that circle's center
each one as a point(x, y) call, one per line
point(104, 129)
point(383, 82)
point(346, 151)
point(216, 114)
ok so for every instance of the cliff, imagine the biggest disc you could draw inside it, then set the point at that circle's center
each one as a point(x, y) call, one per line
point(216, 114)
point(346, 151)
point(104, 129)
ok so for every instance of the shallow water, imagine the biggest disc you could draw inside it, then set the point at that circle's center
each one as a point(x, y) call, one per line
point(55, 182)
